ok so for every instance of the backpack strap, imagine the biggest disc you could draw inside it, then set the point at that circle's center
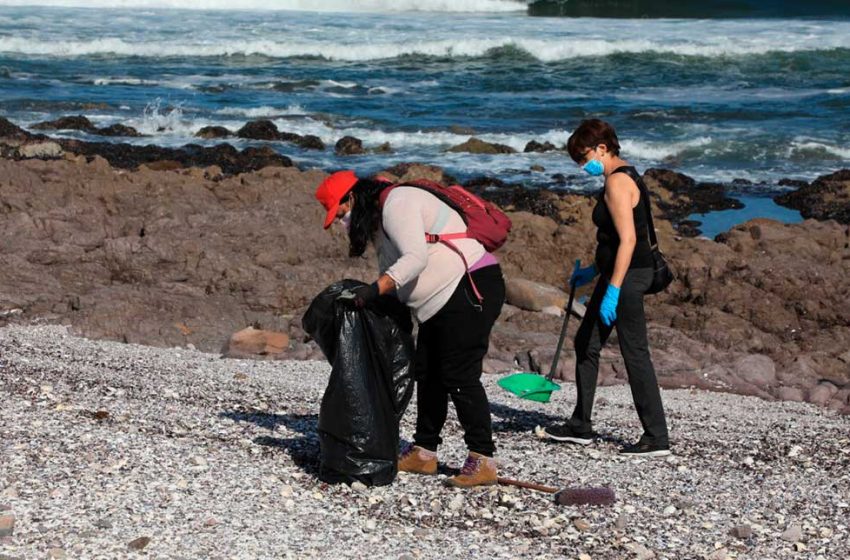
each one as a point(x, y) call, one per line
point(633, 174)
point(443, 238)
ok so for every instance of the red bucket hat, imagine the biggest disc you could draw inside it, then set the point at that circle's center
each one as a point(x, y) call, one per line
point(333, 190)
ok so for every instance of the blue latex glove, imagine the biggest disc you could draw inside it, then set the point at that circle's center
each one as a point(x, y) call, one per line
point(583, 276)
point(608, 310)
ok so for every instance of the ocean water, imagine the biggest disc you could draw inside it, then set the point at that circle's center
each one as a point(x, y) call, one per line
point(755, 99)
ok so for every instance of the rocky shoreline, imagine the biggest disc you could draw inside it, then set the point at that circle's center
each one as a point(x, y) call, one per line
point(177, 247)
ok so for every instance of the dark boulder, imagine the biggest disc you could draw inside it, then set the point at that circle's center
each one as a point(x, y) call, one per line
point(310, 142)
point(535, 146)
point(8, 129)
point(211, 132)
point(827, 198)
point(229, 159)
point(78, 122)
point(259, 130)
point(478, 146)
point(349, 146)
point(118, 130)
point(677, 196)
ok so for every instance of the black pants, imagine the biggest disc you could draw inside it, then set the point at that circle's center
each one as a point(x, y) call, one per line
point(449, 352)
point(631, 332)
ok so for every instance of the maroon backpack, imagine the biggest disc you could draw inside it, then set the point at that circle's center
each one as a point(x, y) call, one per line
point(485, 222)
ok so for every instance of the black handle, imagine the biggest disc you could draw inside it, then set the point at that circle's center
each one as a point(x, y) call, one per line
point(569, 310)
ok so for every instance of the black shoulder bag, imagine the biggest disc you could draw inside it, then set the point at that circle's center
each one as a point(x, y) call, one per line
point(662, 276)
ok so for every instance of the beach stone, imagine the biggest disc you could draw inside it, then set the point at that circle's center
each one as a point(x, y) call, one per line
point(402, 172)
point(794, 394)
point(477, 146)
point(41, 150)
point(640, 551)
point(311, 142)
point(78, 122)
point(621, 521)
point(793, 533)
point(822, 393)
point(7, 525)
point(139, 543)
point(259, 130)
point(826, 198)
point(742, 531)
point(757, 369)
point(118, 130)
point(56, 554)
point(535, 146)
point(533, 296)
point(255, 342)
point(349, 146)
point(581, 524)
point(212, 132)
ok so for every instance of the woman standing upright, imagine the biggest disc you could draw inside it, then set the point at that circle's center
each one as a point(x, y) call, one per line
point(624, 265)
point(456, 308)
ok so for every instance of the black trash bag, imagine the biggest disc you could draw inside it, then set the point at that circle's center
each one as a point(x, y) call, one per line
point(371, 351)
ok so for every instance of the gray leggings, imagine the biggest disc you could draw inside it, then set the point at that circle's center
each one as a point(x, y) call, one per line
point(631, 332)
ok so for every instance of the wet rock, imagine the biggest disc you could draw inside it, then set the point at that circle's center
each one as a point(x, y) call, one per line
point(384, 148)
point(461, 130)
point(535, 146)
point(118, 130)
point(477, 146)
point(255, 342)
point(9, 130)
point(411, 171)
point(225, 156)
point(349, 146)
point(77, 122)
point(826, 198)
point(211, 132)
point(676, 195)
point(537, 168)
point(259, 130)
point(310, 142)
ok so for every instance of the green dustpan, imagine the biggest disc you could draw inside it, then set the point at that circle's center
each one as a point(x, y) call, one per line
point(533, 386)
point(529, 386)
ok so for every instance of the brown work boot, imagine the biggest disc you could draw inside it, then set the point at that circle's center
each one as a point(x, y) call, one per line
point(415, 459)
point(478, 470)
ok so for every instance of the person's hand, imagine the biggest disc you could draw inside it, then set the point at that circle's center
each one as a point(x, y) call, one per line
point(608, 310)
point(364, 296)
point(582, 276)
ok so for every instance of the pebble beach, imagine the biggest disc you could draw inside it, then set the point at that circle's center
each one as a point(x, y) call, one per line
point(111, 450)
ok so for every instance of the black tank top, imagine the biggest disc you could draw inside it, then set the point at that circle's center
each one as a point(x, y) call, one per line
point(608, 241)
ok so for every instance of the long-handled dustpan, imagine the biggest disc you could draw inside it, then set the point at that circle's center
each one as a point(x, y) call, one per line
point(533, 386)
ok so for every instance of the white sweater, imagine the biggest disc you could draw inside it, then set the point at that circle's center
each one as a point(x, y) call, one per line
point(426, 274)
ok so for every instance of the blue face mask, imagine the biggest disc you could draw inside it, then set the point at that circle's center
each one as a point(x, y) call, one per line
point(594, 168)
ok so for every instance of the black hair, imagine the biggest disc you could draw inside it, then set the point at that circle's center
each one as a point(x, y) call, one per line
point(365, 215)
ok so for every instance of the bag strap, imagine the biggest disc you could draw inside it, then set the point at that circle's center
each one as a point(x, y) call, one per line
point(633, 174)
point(444, 238)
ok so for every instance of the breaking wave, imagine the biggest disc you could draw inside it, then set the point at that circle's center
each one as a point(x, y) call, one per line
point(543, 50)
point(293, 5)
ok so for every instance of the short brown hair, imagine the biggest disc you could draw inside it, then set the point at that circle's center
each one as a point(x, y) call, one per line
point(589, 134)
